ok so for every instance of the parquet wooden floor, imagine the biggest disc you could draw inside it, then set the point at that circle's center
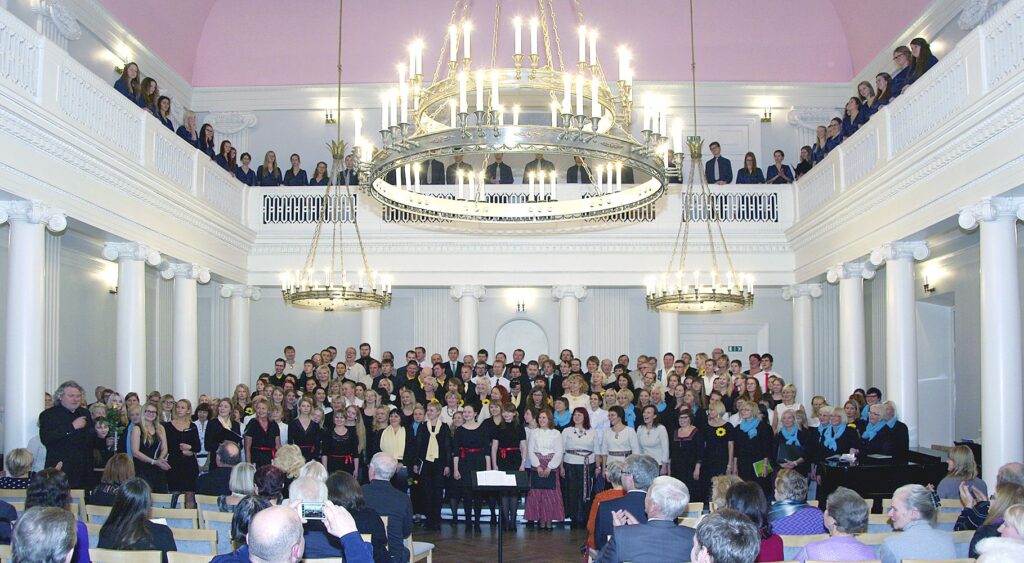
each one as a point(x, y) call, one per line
point(527, 545)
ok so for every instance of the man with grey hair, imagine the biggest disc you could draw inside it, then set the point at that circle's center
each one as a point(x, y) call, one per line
point(66, 431)
point(318, 543)
point(640, 472)
point(725, 536)
point(275, 535)
point(660, 539)
point(388, 501)
point(217, 481)
point(44, 535)
point(913, 511)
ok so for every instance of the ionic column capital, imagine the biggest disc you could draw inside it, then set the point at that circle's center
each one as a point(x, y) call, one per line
point(26, 211)
point(185, 270)
point(896, 250)
point(991, 209)
point(812, 290)
point(116, 251)
point(457, 292)
point(848, 270)
point(560, 292)
point(241, 290)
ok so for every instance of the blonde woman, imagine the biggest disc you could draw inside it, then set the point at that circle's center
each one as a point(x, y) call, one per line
point(149, 449)
point(577, 393)
point(963, 471)
point(182, 446)
point(314, 469)
point(289, 460)
point(788, 403)
point(262, 435)
point(240, 399)
point(303, 432)
point(222, 428)
point(269, 174)
point(817, 403)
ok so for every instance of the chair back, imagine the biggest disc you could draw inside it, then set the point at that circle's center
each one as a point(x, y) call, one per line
point(200, 542)
point(5, 553)
point(962, 542)
point(181, 518)
point(791, 544)
point(96, 514)
point(207, 502)
point(163, 500)
point(694, 509)
point(98, 555)
point(874, 539)
point(419, 550)
point(18, 505)
point(221, 523)
point(12, 495)
point(181, 557)
point(78, 500)
point(689, 522)
point(94, 534)
point(879, 524)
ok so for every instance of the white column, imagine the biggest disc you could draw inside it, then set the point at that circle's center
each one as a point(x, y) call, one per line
point(26, 309)
point(803, 337)
point(901, 327)
point(185, 344)
point(239, 359)
point(853, 373)
point(568, 297)
point(668, 335)
point(370, 329)
point(469, 297)
point(131, 260)
point(1001, 430)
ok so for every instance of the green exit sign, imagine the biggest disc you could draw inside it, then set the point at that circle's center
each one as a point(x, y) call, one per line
point(735, 348)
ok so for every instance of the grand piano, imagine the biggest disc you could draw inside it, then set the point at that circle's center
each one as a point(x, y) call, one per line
point(877, 478)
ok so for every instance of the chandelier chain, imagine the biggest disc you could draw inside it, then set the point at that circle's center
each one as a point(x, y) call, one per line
point(444, 43)
point(495, 33)
point(554, 30)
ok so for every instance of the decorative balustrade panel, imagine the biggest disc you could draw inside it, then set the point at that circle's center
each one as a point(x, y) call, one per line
point(95, 107)
point(860, 154)
point(816, 187)
point(19, 56)
point(928, 103)
point(173, 161)
point(296, 209)
point(223, 194)
point(753, 207)
point(1004, 45)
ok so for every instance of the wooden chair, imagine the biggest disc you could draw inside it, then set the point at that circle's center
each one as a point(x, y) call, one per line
point(962, 542)
point(689, 522)
point(874, 539)
point(78, 499)
point(5, 553)
point(207, 502)
point(951, 505)
point(179, 557)
point(863, 561)
point(94, 534)
point(694, 509)
point(324, 560)
point(419, 550)
point(812, 502)
point(200, 542)
point(221, 523)
point(96, 514)
point(12, 495)
point(18, 505)
point(366, 538)
point(163, 500)
point(791, 545)
point(180, 518)
point(960, 560)
point(116, 556)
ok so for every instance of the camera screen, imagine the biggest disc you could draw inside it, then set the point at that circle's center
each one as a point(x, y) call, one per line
point(312, 510)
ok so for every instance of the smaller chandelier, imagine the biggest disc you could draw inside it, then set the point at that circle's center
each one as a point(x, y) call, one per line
point(312, 290)
point(677, 293)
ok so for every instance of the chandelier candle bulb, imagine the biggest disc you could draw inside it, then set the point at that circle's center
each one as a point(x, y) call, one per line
point(599, 170)
point(495, 80)
point(480, 90)
point(467, 29)
point(593, 47)
point(534, 24)
point(453, 43)
point(515, 114)
point(533, 178)
point(383, 112)
point(482, 183)
point(583, 44)
point(517, 24)
point(554, 179)
point(540, 185)
point(579, 94)
point(554, 114)
point(618, 176)
point(401, 74)
point(362, 279)
point(416, 176)
point(472, 188)
point(452, 111)
point(463, 102)
point(595, 106)
point(647, 112)
point(393, 108)
point(403, 93)
point(460, 179)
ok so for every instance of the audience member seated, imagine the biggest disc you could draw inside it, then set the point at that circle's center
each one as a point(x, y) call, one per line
point(750, 173)
point(780, 173)
point(18, 463)
point(7, 516)
point(538, 165)
point(613, 475)
point(245, 511)
point(217, 481)
point(905, 77)
point(1009, 548)
point(343, 489)
point(913, 511)
point(726, 536)
point(1007, 495)
point(748, 499)
point(50, 488)
point(129, 528)
point(451, 173)
point(269, 174)
point(963, 469)
point(976, 504)
point(295, 176)
point(720, 485)
point(316, 470)
point(660, 538)
point(718, 169)
point(640, 472)
point(128, 84)
point(241, 483)
point(846, 514)
point(45, 535)
point(270, 483)
point(390, 502)
point(317, 540)
point(923, 60)
point(498, 172)
point(791, 515)
point(119, 469)
point(276, 535)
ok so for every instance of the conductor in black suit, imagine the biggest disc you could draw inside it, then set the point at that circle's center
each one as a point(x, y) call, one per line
point(452, 172)
point(660, 539)
point(718, 169)
point(432, 172)
point(66, 431)
point(637, 477)
point(498, 172)
point(577, 173)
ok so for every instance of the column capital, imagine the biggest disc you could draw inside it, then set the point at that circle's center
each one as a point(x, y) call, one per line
point(115, 251)
point(560, 292)
point(991, 209)
point(241, 290)
point(477, 292)
point(812, 290)
point(26, 211)
point(847, 270)
point(186, 270)
point(913, 249)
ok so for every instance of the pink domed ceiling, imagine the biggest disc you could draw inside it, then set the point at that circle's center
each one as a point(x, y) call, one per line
point(270, 42)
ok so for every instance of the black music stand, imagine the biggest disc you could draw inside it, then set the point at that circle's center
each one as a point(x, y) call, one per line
point(522, 484)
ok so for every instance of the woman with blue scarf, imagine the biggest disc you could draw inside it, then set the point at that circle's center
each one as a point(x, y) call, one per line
point(837, 437)
point(795, 444)
point(900, 433)
point(877, 436)
point(754, 445)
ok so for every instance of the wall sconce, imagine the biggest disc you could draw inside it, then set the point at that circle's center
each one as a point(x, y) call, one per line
point(928, 289)
point(766, 117)
point(329, 118)
point(113, 290)
point(520, 305)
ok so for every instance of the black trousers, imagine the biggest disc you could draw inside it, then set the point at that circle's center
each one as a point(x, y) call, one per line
point(431, 483)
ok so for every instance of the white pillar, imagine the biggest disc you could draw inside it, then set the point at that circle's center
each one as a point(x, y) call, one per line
point(370, 329)
point(131, 260)
point(803, 337)
point(469, 297)
point(901, 327)
point(853, 373)
point(239, 359)
point(1001, 430)
point(568, 297)
point(668, 335)
point(185, 344)
point(24, 383)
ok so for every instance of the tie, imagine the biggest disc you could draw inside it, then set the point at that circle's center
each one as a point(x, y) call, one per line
point(430, 167)
point(717, 173)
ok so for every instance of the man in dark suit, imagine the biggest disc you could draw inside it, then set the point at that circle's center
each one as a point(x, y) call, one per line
point(348, 176)
point(577, 173)
point(640, 472)
point(538, 164)
point(410, 356)
point(66, 431)
point(660, 539)
point(498, 172)
point(718, 169)
point(453, 367)
point(389, 501)
point(725, 535)
point(215, 482)
point(451, 173)
point(432, 172)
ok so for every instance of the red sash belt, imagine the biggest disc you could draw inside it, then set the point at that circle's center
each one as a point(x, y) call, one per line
point(310, 448)
point(346, 459)
point(504, 451)
point(273, 451)
point(464, 451)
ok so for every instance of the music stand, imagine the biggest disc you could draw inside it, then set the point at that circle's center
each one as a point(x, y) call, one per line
point(522, 484)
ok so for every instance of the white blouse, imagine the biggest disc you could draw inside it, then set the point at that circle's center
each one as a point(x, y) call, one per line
point(573, 439)
point(622, 441)
point(581, 400)
point(653, 442)
point(446, 416)
point(545, 441)
point(782, 407)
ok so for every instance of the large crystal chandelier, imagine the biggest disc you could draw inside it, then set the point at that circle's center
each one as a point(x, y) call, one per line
point(538, 104)
point(334, 287)
point(679, 289)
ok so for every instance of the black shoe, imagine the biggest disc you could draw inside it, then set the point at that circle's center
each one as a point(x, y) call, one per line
point(469, 527)
point(432, 527)
point(477, 528)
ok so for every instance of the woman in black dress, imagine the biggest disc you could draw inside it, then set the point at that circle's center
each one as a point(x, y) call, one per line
point(305, 433)
point(470, 452)
point(262, 436)
point(837, 437)
point(222, 428)
point(753, 445)
point(182, 447)
point(452, 488)
point(435, 457)
point(686, 452)
point(795, 444)
point(507, 447)
point(719, 441)
point(149, 449)
point(340, 447)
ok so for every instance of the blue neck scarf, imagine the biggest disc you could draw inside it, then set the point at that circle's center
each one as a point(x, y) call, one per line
point(415, 428)
point(832, 434)
point(864, 412)
point(661, 407)
point(791, 436)
point(750, 427)
point(563, 419)
point(891, 423)
point(872, 430)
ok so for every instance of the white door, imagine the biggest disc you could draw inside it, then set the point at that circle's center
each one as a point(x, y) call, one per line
point(521, 333)
point(737, 340)
point(935, 383)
